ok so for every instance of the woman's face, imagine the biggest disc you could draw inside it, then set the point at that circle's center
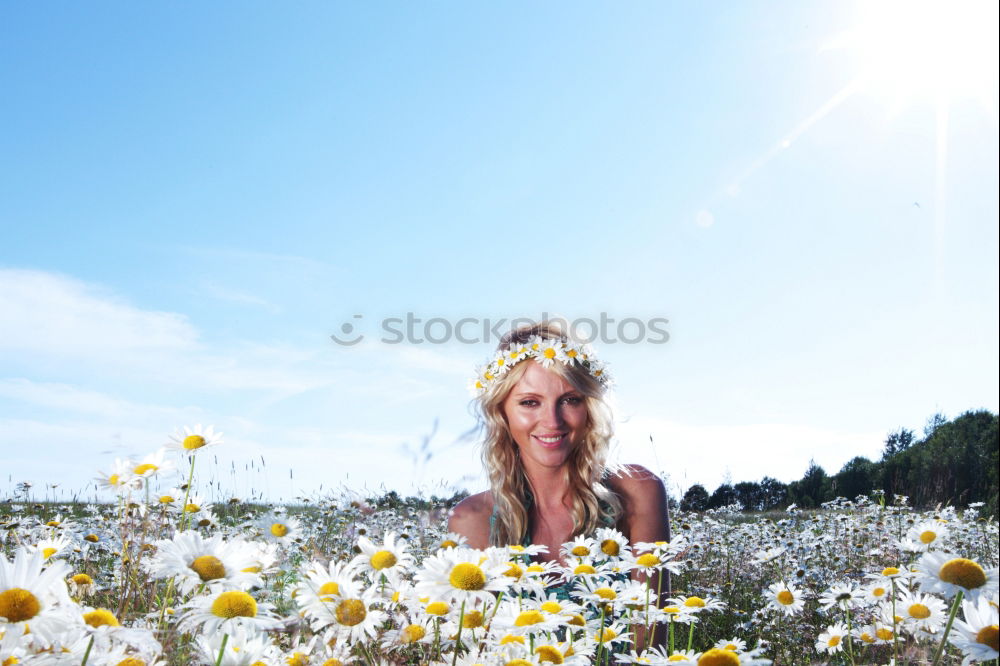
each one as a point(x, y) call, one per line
point(547, 417)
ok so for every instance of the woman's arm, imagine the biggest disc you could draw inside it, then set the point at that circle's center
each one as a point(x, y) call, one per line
point(645, 519)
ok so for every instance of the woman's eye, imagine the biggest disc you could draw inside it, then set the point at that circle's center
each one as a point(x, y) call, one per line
point(529, 403)
point(573, 400)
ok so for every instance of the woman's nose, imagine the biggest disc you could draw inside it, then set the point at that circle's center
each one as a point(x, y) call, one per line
point(553, 417)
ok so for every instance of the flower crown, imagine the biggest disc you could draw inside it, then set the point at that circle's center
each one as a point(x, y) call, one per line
point(545, 351)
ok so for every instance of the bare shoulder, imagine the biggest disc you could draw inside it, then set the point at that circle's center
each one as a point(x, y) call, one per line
point(645, 503)
point(471, 519)
point(636, 484)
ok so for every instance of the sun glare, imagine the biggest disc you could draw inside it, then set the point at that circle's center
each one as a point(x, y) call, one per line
point(925, 50)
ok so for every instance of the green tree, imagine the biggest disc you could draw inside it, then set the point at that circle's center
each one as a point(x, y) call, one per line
point(695, 499)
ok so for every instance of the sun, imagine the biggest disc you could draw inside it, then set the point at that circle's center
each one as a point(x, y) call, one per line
point(924, 50)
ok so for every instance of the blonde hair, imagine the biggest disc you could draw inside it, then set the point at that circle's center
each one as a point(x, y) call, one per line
point(592, 503)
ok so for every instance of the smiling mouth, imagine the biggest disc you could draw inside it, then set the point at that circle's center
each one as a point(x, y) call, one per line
point(550, 441)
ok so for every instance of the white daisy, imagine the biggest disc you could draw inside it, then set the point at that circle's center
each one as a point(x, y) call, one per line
point(242, 648)
point(195, 560)
point(977, 635)
point(33, 593)
point(462, 574)
point(921, 613)
point(946, 574)
point(928, 534)
point(831, 641)
point(390, 558)
point(227, 612)
point(192, 440)
point(785, 597)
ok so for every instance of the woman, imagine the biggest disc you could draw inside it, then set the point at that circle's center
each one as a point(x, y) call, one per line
point(547, 432)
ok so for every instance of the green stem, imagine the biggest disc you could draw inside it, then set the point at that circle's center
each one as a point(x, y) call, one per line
point(947, 629)
point(86, 654)
point(222, 648)
point(850, 646)
point(458, 639)
point(600, 644)
point(690, 636)
point(187, 493)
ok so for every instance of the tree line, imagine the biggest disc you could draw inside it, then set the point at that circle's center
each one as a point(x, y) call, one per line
point(954, 463)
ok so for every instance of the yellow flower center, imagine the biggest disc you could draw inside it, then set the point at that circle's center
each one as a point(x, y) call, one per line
point(551, 607)
point(549, 353)
point(18, 605)
point(82, 579)
point(833, 641)
point(878, 591)
point(580, 551)
point(473, 619)
point(694, 602)
point(52, 523)
point(448, 543)
point(192, 508)
point(606, 635)
point(647, 560)
point(962, 572)
point(49, 552)
point(989, 635)
point(610, 547)
point(549, 653)
point(192, 442)
point(671, 609)
point(919, 611)
point(606, 593)
point(927, 536)
point(890, 571)
point(101, 617)
point(884, 634)
point(412, 633)
point(518, 662)
point(528, 618)
point(10, 661)
point(514, 571)
point(677, 657)
point(866, 637)
point(351, 612)
point(510, 638)
point(166, 499)
point(114, 480)
point(785, 598)
point(584, 569)
point(535, 568)
point(297, 659)
point(383, 559)
point(437, 608)
point(208, 567)
point(576, 620)
point(467, 576)
point(131, 661)
point(143, 468)
point(332, 661)
point(234, 603)
point(328, 590)
point(279, 530)
point(92, 538)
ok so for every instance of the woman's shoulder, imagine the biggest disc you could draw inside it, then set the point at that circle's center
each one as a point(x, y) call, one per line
point(635, 483)
point(474, 505)
point(645, 503)
point(471, 518)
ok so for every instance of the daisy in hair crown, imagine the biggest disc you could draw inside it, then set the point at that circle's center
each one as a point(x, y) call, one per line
point(545, 352)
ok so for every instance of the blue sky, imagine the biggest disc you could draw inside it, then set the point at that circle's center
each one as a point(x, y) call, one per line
point(194, 198)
